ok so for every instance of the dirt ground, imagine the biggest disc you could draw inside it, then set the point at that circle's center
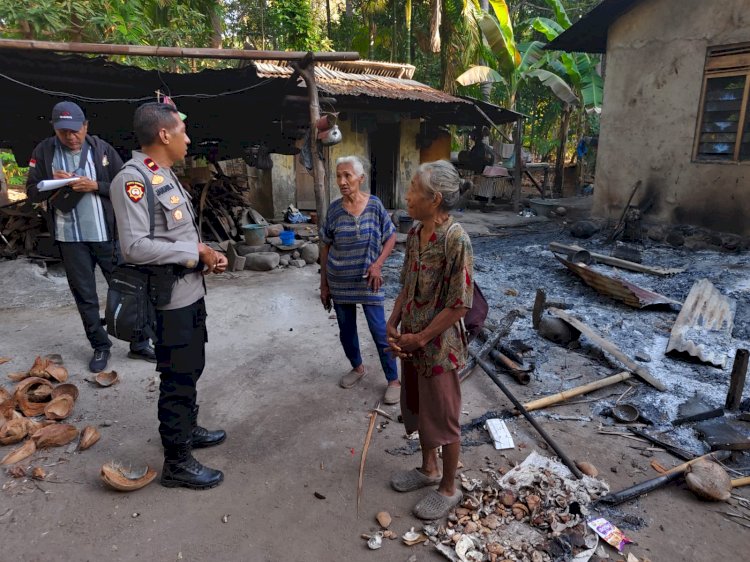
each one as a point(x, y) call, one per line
point(273, 364)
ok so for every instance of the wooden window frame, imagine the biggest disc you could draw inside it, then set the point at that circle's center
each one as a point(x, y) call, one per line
point(718, 66)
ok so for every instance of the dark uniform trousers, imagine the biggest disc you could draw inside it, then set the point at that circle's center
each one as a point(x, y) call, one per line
point(80, 260)
point(180, 347)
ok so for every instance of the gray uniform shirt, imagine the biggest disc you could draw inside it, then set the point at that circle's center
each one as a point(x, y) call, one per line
point(176, 234)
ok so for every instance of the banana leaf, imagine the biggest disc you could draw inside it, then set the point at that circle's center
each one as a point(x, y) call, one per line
point(547, 27)
point(561, 16)
point(592, 84)
point(479, 74)
point(503, 46)
point(558, 86)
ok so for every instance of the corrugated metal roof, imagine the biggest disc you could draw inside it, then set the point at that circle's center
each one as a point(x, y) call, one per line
point(589, 34)
point(617, 288)
point(337, 82)
point(704, 326)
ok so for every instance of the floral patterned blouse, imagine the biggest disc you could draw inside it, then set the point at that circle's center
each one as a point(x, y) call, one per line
point(437, 276)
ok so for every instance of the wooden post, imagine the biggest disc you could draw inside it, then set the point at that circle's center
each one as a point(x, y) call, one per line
point(306, 69)
point(737, 382)
point(517, 168)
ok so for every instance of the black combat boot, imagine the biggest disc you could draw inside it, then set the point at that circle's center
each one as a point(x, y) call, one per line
point(202, 437)
point(181, 469)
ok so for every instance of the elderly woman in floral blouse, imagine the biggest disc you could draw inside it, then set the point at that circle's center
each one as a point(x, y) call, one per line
point(437, 292)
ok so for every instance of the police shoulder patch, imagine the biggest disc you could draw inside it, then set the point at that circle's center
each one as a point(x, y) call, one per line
point(135, 190)
point(151, 165)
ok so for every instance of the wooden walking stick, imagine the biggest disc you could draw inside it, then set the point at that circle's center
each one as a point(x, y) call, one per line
point(373, 418)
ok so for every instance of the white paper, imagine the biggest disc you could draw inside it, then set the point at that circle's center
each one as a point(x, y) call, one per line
point(500, 434)
point(49, 185)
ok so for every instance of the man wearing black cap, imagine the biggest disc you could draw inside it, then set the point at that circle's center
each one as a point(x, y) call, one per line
point(80, 217)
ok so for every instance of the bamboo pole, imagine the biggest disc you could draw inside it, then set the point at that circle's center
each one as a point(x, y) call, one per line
point(577, 391)
point(172, 52)
point(737, 482)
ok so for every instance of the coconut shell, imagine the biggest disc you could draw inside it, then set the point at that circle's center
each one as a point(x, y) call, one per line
point(55, 435)
point(56, 372)
point(60, 408)
point(39, 393)
point(38, 473)
point(18, 377)
point(709, 481)
point(13, 431)
point(39, 368)
point(7, 407)
point(54, 358)
point(22, 452)
point(107, 378)
point(25, 404)
point(67, 388)
point(4, 395)
point(89, 436)
point(115, 477)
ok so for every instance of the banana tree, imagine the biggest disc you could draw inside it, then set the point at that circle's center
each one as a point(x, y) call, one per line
point(516, 63)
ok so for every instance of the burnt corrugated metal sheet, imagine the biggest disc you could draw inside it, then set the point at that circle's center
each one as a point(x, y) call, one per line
point(589, 34)
point(616, 287)
point(337, 82)
point(704, 326)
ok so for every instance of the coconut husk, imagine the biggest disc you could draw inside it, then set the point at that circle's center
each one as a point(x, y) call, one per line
point(39, 393)
point(67, 388)
point(56, 372)
point(4, 360)
point(13, 431)
point(384, 519)
point(22, 452)
point(7, 407)
point(107, 378)
point(709, 481)
point(89, 436)
point(25, 403)
point(117, 477)
point(18, 377)
point(60, 407)
point(4, 395)
point(39, 368)
point(38, 473)
point(55, 435)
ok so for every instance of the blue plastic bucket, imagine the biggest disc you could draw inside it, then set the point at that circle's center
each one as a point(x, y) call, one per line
point(287, 237)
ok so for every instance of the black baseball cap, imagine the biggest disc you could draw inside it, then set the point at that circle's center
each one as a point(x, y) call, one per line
point(67, 115)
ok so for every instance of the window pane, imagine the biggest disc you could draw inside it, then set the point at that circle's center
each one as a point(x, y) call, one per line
point(721, 114)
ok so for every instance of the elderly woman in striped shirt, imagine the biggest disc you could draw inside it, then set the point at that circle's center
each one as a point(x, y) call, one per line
point(358, 236)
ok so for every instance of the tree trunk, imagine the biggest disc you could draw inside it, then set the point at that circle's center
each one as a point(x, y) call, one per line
point(485, 87)
point(436, 24)
point(216, 27)
point(560, 162)
point(328, 17)
point(349, 12)
point(408, 31)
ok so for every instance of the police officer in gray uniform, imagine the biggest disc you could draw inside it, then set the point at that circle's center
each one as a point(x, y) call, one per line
point(176, 247)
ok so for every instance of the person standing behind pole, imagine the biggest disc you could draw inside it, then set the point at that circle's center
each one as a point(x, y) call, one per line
point(81, 218)
point(438, 290)
point(175, 247)
point(358, 236)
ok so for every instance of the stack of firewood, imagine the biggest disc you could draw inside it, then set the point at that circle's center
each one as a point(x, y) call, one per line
point(21, 227)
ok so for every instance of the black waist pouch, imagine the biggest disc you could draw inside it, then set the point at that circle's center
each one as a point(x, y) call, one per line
point(130, 311)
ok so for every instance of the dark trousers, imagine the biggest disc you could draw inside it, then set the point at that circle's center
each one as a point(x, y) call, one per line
point(80, 260)
point(180, 346)
point(346, 315)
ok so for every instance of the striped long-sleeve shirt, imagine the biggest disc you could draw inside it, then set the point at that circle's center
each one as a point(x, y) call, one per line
point(355, 243)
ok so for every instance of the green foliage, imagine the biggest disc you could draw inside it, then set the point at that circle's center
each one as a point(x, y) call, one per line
point(294, 26)
point(15, 174)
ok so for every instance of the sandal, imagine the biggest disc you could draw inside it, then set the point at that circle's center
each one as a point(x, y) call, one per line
point(392, 395)
point(435, 505)
point(410, 480)
point(352, 377)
